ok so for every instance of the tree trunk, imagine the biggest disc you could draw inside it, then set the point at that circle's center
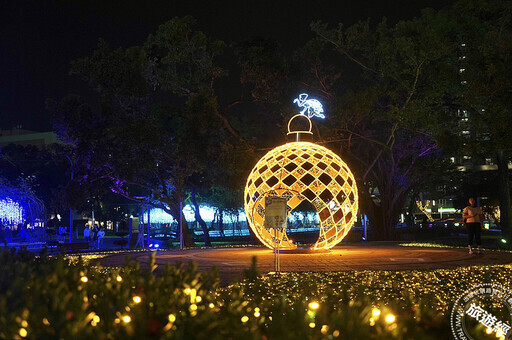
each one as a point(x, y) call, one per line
point(372, 211)
point(221, 223)
point(383, 216)
point(409, 218)
point(504, 195)
point(187, 235)
point(202, 223)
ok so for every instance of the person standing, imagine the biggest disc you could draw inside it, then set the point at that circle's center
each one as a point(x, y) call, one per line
point(94, 236)
point(473, 217)
point(101, 235)
point(87, 233)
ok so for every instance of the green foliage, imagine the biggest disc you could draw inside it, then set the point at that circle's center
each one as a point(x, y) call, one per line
point(486, 35)
point(156, 130)
point(38, 172)
point(115, 73)
point(50, 298)
point(390, 122)
point(181, 58)
point(263, 69)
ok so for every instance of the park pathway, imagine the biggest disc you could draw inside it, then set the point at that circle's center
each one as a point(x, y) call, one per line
point(232, 262)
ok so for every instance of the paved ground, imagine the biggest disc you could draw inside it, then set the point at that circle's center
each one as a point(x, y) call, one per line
point(371, 256)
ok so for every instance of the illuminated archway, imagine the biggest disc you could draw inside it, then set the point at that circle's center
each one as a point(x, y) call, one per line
point(303, 171)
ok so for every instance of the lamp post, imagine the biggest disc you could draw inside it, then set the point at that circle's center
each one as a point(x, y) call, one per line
point(71, 210)
point(182, 240)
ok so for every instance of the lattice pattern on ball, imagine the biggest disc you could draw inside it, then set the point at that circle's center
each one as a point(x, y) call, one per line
point(303, 171)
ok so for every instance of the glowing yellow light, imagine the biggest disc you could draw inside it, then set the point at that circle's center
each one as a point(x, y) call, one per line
point(244, 318)
point(303, 171)
point(119, 278)
point(314, 305)
point(117, 320)
point(96, 319)
point(336, 333)
point(193, 307)
point(46, 322)
point(372, 322)
point(187, 291)
point(423, 209)
point(312, 325)
point(24, 323)
point(211, 305)
point(257, 314)
point(199, 299)
point(137, 299)
point(324, 329)
point(390, 318)
point(375, 312)
point(488, 330)
point(23, 332)
point(172, 317)
point(126, 319)
point(84, 279)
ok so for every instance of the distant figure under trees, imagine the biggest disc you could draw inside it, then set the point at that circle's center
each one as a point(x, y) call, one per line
point(472, 215)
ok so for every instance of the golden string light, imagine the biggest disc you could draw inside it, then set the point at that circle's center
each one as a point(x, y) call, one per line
point(302, 171)
point(423, 209)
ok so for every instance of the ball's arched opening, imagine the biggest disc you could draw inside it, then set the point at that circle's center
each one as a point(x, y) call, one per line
point(304, 224)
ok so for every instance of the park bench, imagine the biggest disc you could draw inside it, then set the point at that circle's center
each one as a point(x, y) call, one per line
point(73, 247)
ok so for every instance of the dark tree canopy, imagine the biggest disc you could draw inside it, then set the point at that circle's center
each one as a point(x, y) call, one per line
point(391, 91)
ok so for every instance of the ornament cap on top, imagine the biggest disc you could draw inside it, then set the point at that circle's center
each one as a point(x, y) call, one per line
point(301, 131)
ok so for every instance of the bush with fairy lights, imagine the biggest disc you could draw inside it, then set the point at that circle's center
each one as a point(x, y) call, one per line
point(43, 298)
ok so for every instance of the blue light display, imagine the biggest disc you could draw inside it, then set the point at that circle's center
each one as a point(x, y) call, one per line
point(11, 212)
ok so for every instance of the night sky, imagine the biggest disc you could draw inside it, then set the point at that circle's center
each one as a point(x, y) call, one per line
point(39, 38)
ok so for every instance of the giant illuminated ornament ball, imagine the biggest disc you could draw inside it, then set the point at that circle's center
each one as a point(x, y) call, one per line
point(302, 171)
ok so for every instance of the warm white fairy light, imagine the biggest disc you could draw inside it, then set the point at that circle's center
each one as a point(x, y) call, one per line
point(423, 209)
